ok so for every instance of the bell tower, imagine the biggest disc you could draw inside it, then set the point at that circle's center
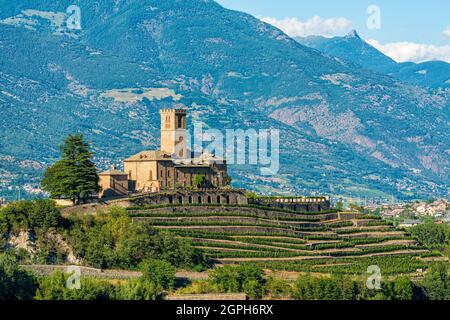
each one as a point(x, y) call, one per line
point(173, 132)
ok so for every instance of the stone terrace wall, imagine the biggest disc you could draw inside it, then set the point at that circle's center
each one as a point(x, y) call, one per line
point(176, 197)
point(228, 197)
point(319, 204)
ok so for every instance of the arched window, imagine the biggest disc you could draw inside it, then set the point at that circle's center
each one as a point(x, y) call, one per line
point(209, 199)
point(180, 199)
point(218, 199)
point(170, 199)
point(199, 199)
point(190, 199)
point(228, 199)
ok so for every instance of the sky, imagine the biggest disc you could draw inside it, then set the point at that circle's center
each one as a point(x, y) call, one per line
point(411, 30)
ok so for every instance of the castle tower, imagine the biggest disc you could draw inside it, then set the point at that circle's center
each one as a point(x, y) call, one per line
point(173, 132)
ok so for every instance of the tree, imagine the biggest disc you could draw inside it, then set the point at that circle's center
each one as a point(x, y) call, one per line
point(30, 215)
point(244, 278)
point(15, 283)
point(54, 287)
point(431, 234)
point(403, 289)
point(437, 283)
point(75, 175)
point(158, 272)
point(199, 180)
point(111, 239)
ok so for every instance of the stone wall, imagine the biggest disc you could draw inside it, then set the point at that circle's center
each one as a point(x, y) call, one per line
point(219, 196)
point(300, 204)
point(175, 197)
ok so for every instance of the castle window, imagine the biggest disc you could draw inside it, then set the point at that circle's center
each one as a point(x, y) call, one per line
point(180, 199)
point(190, 199)
point(167, 122)
point(209, 199)
point(218, 199)
point(180, 122)
point(199, 199)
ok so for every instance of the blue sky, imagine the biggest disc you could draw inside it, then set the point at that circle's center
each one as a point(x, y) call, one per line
point(410, 30)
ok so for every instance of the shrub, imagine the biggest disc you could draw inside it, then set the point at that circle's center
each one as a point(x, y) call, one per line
point(437, 283)
point(15, 283)
point(244, 278)
point(111, 239)
point(54, 287)
point(278, 288)
point(160, 273)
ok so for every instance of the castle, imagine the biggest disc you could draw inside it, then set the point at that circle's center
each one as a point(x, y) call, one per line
point(172, 167)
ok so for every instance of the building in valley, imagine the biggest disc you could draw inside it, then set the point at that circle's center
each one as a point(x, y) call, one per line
point(173, 166)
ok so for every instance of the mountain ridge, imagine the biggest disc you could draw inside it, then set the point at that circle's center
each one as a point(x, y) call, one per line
point(353, 49)
point(345, 130)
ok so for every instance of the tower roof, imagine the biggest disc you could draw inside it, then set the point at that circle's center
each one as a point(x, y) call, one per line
point(173, 110)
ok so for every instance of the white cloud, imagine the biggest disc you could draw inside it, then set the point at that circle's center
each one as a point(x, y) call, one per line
point(446, 32)
point(412, 52)
point(313, 26)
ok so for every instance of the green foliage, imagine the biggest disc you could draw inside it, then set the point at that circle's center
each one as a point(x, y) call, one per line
point(277, 288)
point(251, 195)
point(437, 282)
point(74, 176)
point(199, 180)
point(318, 288)
point(400, 289)
point(112, 240)
point(431, 234)
point(55, 287)
point(391, 265)
point(158, 272)
point(345, 288)
point(15, 283)
point(137, 289)
point(157, 276)
point(30, 215)
point(244, 278)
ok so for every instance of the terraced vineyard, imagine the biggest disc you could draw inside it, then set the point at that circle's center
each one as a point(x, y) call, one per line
point(341, 242)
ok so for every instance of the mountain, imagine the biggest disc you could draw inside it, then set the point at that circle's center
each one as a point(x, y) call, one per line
point(344, 130)
point(353, 49)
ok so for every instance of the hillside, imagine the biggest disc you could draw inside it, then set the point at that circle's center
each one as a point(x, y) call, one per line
point(353, 49)
point(345, 131)
point(290, 241)
point(128, 249)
